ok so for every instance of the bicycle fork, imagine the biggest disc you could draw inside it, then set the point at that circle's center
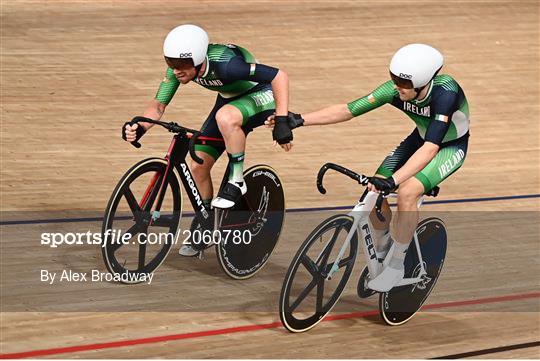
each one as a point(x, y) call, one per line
point(360, 213)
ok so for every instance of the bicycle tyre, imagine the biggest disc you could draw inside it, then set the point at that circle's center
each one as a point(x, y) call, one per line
point(261, 212)
point(286, 310)
point(112, 262)
point(400, 304)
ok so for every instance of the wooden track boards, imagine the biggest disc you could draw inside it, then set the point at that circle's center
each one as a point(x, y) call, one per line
point(73, 72)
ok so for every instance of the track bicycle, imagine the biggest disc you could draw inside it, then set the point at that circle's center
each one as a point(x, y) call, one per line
point(142, 218)
point(322, 266)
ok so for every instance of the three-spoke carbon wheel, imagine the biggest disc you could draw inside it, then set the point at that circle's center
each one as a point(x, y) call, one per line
point(308, 293)
point(136, 236)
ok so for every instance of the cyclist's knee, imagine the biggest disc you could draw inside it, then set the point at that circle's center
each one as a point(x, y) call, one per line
point(228, 119)
point(409, 192)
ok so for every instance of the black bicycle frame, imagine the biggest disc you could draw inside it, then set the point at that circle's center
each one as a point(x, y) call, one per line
point(176, 158)
point(180, 145)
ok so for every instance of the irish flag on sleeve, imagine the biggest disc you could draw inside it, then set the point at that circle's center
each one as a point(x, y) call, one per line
point(442, 118)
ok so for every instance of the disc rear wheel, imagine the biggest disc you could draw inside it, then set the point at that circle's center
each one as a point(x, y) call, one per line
point(400, 304)
point(251, 229)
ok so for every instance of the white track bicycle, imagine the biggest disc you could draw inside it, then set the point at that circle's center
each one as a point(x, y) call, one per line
point(321, 268)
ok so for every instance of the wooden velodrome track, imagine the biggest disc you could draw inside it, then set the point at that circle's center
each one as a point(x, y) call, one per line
point(73, 72)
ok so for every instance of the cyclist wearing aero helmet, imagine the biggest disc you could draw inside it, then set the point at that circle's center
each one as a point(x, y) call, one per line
point(248, 92)
point(432, 152)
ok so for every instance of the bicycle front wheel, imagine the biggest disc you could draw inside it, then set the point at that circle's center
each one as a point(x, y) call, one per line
point(308, 294)
point(136, 235)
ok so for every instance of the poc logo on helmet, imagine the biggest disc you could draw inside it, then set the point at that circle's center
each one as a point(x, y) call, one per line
point(405, 76)
point(185, 55)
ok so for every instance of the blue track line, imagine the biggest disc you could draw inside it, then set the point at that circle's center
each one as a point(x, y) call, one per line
point(292, 210)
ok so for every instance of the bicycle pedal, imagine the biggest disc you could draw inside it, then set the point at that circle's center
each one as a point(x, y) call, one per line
point(155, 215)
point(201, 255)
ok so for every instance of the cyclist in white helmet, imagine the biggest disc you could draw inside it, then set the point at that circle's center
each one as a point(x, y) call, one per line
point(248, 92)
point(435, 149)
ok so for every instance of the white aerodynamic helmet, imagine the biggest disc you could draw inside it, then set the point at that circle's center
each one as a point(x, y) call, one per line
point(415, 65)
point(185, 42)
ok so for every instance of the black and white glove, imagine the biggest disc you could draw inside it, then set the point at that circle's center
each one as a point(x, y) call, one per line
point(383, 184)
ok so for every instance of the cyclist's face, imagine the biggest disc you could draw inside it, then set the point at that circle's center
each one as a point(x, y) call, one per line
point(183, 69)
point(405, 94)
point(185, 73)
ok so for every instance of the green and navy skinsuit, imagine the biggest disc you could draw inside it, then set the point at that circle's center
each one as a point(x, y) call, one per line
point(442, 118)
point(234, 73)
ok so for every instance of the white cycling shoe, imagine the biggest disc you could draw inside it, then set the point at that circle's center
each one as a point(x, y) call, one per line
point(187, 251)
point(229, 195)
point(386, 280)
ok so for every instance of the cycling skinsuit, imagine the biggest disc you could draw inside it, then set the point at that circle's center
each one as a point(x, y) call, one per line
point(442, 118)
point(241, 82)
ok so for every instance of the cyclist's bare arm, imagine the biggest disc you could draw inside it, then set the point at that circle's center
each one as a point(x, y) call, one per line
point(416, 162)
point(167, 89)
point(154, 111)
point(342, 112)
point(333, 114)
point(280, 88)
point(330, 115)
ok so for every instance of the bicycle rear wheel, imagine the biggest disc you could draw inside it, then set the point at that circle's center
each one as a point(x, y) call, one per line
point(251, 229)
point(307, 295)
point(152, 232)
point(400, 304)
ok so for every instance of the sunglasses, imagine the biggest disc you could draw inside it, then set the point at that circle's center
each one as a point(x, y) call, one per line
point(400, 82)
point(178, 63)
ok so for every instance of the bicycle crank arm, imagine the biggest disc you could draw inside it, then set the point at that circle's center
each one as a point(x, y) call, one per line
point(219, 215)
point(410, 281)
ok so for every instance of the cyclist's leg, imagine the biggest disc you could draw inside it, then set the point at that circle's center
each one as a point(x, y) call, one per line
point(407, 210)
point(404, 223)
point(203, 178)
point(208, 153)
point(235, 120)
point(243, 114)
point(201, 172)
point(395, 160)
point(229, 120)
point(448, 160)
